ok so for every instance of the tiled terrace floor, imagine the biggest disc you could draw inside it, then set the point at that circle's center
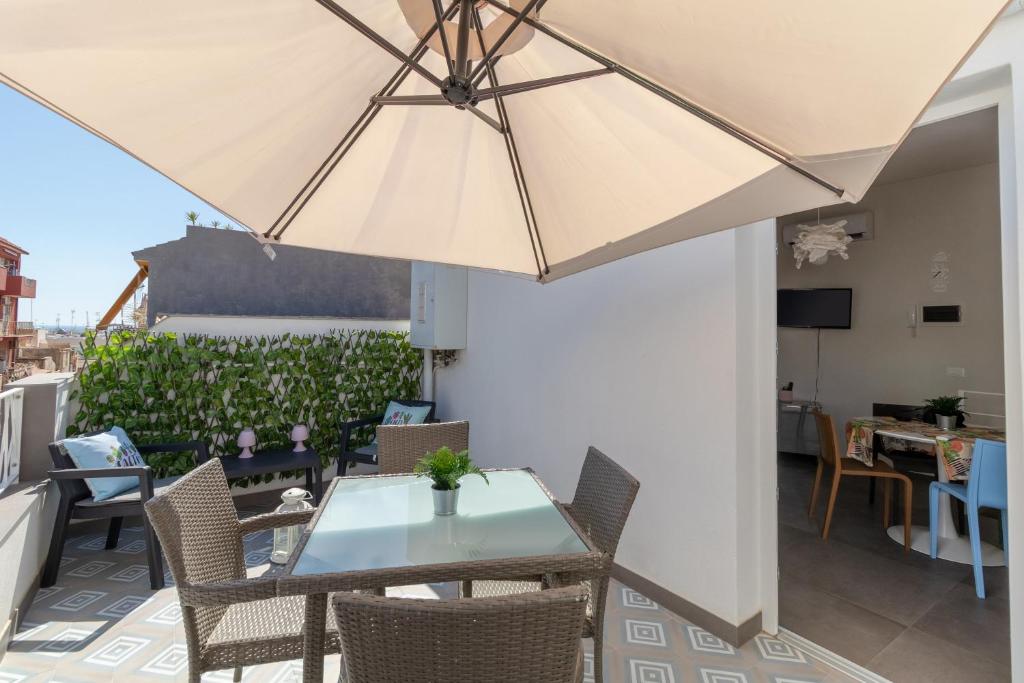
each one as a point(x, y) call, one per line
point(102, 623)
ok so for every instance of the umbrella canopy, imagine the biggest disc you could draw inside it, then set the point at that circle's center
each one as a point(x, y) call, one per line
point(534, 137)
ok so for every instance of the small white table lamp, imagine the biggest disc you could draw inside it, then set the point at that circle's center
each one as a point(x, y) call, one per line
point(299, 434)
point(246, 440)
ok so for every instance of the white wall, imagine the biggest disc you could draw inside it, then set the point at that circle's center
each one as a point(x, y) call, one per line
point(640, 359)
point(880, 359)
point(232, 325)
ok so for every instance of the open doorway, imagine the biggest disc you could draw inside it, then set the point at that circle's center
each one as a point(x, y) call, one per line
point(915, 313)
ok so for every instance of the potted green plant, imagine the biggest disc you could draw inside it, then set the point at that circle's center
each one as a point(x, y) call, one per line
point(947, 410)
point(445, 468)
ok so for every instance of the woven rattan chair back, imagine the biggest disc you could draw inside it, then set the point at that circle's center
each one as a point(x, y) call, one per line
point(530, 638)
point(400, 447)
point(604, 496)
point(196, 522)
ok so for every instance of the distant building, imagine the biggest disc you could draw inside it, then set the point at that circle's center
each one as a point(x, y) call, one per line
point(13, 286)
point(225, 275)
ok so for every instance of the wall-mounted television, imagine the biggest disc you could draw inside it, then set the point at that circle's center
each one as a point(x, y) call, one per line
point(815, 308)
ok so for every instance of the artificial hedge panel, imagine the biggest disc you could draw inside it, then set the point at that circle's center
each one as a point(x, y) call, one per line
point(164, 387)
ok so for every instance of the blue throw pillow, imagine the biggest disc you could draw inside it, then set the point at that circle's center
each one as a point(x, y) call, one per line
point(110, 449)
point(401, 414)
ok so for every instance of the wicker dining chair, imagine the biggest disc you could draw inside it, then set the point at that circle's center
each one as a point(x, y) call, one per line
point(400, 447)
point(230, 621)
point(604, 496)
point(533, 638)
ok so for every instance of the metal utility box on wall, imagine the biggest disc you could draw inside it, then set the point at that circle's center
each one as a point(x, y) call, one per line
point(440, 296)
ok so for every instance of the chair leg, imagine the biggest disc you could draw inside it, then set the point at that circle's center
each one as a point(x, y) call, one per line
point(467, 589)
point(908, 502)
point(933, 520)
point(60, 532)
point(238, 674)
point(831, 505)
point(886, 502)
point(600, 597)
point(156, 565)
point(113, 532)
point(816, 488)
point(1006, 535)
point(974, 529)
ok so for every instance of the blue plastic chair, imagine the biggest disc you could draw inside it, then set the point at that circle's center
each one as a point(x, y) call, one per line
point(986, 488)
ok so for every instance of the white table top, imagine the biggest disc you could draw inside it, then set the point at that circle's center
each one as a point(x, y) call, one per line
point(384, 522)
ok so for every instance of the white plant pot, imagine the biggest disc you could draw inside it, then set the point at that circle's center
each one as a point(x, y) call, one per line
point(445, 502)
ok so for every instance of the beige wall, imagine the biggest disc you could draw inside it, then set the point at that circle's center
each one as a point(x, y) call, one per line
point(879, 359)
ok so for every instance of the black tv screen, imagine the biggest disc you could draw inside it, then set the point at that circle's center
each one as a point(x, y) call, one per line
point(821, 308)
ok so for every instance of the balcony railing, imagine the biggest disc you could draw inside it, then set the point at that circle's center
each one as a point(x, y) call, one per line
point(11, 404)
point(19, 285)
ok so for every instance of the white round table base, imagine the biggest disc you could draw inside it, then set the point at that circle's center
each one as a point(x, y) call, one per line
point(957, 549)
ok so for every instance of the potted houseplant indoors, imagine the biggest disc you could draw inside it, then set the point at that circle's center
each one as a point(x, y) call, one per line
point(445, 467)
point(947, 410)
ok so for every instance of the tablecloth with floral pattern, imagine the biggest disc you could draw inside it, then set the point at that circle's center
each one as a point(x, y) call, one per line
point(954, 446)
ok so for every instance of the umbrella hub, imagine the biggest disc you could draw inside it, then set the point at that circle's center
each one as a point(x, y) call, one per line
point(458, 91)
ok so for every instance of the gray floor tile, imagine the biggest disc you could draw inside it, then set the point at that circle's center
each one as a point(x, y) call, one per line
point(961, 618)
point(836, 624)
point(917, 656)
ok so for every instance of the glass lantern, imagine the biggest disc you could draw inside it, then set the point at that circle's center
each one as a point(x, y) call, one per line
point(287, 538)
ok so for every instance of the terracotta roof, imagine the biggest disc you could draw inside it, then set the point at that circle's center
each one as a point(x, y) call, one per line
point(7, 244)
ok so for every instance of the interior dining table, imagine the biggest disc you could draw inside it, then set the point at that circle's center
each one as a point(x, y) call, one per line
point(952, 546)
point(378, 531)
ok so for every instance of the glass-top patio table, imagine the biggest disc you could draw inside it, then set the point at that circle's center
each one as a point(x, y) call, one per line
point(378, 531)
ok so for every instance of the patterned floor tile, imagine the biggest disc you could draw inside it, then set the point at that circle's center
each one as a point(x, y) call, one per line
point(101, 623)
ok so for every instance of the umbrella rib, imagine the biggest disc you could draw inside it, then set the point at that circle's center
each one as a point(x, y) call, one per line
point(444, 36)
point(526, 86)
point(506, 34)
point(378, 39)
point(698, 111)
point(513, 156)
point(357, 129)
point(486, 118)
point(410, 99)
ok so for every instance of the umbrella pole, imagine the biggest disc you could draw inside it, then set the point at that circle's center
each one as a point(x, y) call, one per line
point(462, 39)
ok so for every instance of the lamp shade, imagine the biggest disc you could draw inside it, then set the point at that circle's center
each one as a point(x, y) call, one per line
point(247, 438)
point(300, 433)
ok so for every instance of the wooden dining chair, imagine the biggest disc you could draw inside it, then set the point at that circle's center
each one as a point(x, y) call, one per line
point(400, 447)
point(842, 466)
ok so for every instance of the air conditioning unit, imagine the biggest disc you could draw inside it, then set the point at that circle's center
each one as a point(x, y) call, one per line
point(440, 296)
point(859, 226)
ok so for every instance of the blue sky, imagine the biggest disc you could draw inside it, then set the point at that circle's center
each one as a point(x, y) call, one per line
point(79, 207)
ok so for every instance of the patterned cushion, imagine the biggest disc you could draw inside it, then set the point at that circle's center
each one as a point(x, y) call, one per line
point(401, 414)
point(111, 450)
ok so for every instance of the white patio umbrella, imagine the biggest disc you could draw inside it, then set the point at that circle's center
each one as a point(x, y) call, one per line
point(539, 137)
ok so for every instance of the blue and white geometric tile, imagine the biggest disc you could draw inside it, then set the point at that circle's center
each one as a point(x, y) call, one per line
point(705, 641)
point(775, 650)
point(129, 574)
point(78, 601)
point(631, 598)
point(64, 642)
point(90, 569)
point(638, 632)
point(712, 675)
point(170, 662)
point(647, 671)
point(132, 548)
point(117, 651)
point(123, 606)
point(168, 615)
